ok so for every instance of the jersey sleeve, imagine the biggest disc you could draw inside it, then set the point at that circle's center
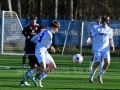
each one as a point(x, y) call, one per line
point(91, 29)
point(34, 38)
point(93, 33)
point(111, 34)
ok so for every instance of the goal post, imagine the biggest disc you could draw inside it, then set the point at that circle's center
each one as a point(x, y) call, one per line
point(11, 38)
point(74, 38)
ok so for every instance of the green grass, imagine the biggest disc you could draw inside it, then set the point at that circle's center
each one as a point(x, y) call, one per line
point(67, 76)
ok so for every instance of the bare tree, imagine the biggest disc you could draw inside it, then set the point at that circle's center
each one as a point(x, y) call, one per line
point(16, 7)
point(75, 10)
point(55, 9)
point(40, 5)
point(71, 9)
point(8, 5)
point(0, 5)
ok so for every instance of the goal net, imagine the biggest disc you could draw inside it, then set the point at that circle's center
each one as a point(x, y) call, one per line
point(11, 39)
point(73, 40)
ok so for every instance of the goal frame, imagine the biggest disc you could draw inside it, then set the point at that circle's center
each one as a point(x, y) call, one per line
point(2, 32)
point(81, 37)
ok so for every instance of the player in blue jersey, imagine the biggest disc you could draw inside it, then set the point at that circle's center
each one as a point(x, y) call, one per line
point(44, 41)
point(103, 39)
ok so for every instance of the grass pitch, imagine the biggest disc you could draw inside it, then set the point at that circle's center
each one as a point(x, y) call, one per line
point(67, 76)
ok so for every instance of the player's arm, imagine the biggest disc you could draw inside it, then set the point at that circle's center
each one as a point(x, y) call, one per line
point(24, 32)
point(111, 41)
point(112, 44)
point(52, 46)
point(88, 40)
point(90, 37)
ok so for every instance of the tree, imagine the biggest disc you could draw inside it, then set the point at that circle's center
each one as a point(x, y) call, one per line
point(16, 7)
point(40, 5)
point(8, 6)
point(55, 9)
point(71, 9)
point(0, 5)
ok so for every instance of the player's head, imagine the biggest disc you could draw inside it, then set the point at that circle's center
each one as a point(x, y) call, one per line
point(55, 25)
point(41, 28)
point(33, 18)
point(98, 19)
point(105, 20)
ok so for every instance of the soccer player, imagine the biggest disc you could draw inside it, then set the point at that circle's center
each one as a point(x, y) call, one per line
point(103, 39)
point(97, 24)
point(44, 41)
point(29, 31)
point(33, 62)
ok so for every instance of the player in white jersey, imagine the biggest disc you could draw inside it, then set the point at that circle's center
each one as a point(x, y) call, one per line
point(103, 38)
point(43, 43)
point(96, 25)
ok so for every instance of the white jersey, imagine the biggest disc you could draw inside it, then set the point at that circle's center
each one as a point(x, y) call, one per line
point(102, 36)
point(91, 30)
point(43, 39)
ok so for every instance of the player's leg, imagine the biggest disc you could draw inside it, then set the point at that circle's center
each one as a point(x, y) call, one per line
point(24, 60)
point(50, 67)
point(41, 59)
point(29, 73)
point(91, 62)
point(101, 63)
point(24, 57)
point(97, 60)
point(32, 61)
point(41, 73)
point(105, 66)
point(32, 70)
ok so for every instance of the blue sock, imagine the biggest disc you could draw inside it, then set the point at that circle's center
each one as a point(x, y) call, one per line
point(42, 75)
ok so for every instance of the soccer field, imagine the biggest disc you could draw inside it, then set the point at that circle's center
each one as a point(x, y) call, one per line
point(67, 76)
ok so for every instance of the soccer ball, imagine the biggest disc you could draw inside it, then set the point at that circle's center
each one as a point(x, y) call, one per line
point(77, 58)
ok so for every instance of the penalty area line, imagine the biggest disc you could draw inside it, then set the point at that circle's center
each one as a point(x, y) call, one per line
point(4, 67)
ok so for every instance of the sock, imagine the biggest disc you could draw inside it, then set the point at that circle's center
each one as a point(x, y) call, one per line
point(24, 59)
point(42, 75)
point(92, 74)
point(91, 63)
point(101, 64)
point(101, 72)
point(29, 73)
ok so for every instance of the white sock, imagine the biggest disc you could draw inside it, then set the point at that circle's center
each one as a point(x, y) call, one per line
point(101, 72)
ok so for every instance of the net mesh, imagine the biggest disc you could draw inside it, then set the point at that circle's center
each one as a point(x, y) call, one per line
point(13, 40)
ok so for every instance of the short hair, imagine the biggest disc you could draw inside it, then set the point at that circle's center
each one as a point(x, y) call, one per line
point(55, 24)
point(41, 27)
point(105, 19)
point(33, 17)
point(98, 16)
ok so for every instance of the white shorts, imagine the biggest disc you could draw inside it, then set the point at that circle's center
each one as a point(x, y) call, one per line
point(98, 55)
point(43, 56)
